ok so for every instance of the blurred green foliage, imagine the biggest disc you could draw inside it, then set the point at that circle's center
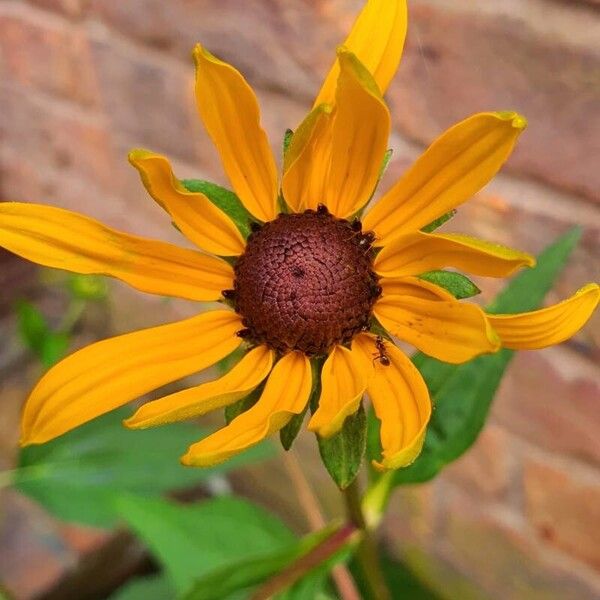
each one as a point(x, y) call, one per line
point(78, 475)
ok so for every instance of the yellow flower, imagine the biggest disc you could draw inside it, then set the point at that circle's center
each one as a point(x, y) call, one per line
point(308, 281)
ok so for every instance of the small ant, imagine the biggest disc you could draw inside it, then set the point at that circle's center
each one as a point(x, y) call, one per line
point(381, 354)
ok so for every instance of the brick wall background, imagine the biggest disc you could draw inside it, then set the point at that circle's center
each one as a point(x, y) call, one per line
point(83, 81)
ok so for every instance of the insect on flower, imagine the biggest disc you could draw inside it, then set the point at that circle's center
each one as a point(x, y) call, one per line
point(381, 354)
point(305, 281)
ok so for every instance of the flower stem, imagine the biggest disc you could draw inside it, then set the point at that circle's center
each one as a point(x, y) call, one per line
point(367, 555)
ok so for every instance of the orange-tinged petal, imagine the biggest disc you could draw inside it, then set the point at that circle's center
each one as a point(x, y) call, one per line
point(107, 374)
point(402, 404)
point(452, 331)
point(361, 128)
point(240, 381)
point(417, 252)
point(197, 217)
point(306, 166)
point(456, 166)
point(285, 395)
point(231, 115)
point(412, 286)
point(62, 239)
point(548, 326)
point(343, 381)
point(377, 39)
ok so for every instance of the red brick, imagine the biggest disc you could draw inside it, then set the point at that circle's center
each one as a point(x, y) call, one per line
point(550, 398)
point(147, 102)
point(498, 552)
point(276, 44)
point(71, 8)
point(486, 467)
point(46, 56)
point(563, 505)
point(458, 62)
point(35, 554)
point(66, 140)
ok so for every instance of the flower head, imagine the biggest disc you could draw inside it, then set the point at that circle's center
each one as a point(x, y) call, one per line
point(303, 277)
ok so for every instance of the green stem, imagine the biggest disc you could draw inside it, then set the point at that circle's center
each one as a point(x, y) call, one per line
point(367, 554)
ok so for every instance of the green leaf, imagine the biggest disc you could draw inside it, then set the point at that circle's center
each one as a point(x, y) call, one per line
point(152, 587)
point(342, 453)
point(456, 283)
point(54, 348)
point(77, 475)
point(192, 541)
point(439, 221)
point(462, 394)
point(291, 565)
point(225, 199)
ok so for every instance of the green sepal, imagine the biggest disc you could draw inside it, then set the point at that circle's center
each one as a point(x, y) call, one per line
point(382, 169)
point(237, 408)
point(287, 140)
point(385, 163)
point(290, 432)
point(456, 283)
point(439, 221)
point(343, 452)
point(225, 199)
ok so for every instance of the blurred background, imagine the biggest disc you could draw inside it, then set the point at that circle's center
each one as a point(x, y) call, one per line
point(84, 81)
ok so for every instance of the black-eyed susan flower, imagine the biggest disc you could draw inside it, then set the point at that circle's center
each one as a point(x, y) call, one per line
point(312, 279)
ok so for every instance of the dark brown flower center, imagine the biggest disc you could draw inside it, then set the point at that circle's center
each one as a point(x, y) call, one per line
point(305, 282)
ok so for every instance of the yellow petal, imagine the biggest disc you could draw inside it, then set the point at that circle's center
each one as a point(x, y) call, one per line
point(377, 39)
point(285, 395)
point(548, 326)
point(456, 166)
point(452, 331)
point(361, 129)
point(107, 374)
point(343, 381)
point(307, 161)
point(402, 404)
point(412, 286)
point(196, 216)
point(61, 239)
point(418, 252)
point(231, 115)
point(240, 381)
